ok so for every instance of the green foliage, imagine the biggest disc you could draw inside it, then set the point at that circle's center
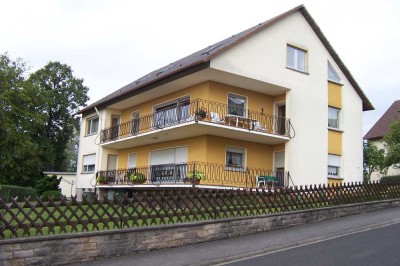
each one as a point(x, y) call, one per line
point(101, 179)
point(38, 129)
point(7, 192)
point(390, 178)
point(196, 175)
point(54, 194)
point(137, 178)
point(374, 160)
point(47, 183)
point(392, 139)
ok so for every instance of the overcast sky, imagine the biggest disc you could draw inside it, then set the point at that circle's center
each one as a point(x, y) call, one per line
point(112, 43)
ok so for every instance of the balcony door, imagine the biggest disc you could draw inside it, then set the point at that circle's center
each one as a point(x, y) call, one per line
point(168, 165)
point(171, 113)
point(280, 112)
point(279, 166)
point(135, 123)
point(115, 121)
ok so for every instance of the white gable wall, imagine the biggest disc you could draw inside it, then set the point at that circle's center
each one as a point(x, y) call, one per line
point(263, 57)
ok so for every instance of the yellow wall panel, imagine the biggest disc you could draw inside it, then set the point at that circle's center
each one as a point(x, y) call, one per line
point(334, 142)
point(334, 95)
point(255, 101)
point(332, 181)
point(280, 98)
point(279, 147)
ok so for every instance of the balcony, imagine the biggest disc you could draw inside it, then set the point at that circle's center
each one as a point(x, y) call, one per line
point(219, 116)
point(181, 174)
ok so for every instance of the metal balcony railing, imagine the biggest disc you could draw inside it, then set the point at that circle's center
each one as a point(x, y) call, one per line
point(200, 110)
point(206, 174)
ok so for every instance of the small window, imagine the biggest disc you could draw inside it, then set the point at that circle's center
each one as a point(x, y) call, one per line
point(332, 74)
point(296, 59)
point(333, 117)
point(235, 157)
point(92, 125)
point(89, 163)
point(334, 165)
point(236, 105)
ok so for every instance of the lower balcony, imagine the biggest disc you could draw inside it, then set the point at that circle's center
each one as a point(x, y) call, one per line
point(192, 174)
point(204, 117)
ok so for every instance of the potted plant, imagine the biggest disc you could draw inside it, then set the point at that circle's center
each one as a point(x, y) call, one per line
point(201, 114)
point(195, 177)
point(101, 179)
point(137, 178)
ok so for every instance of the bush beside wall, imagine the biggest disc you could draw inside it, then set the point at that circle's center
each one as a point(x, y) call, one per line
point(390, 178)
point(7, 192)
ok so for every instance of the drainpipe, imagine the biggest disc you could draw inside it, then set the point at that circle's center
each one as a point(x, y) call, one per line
point(98, 145)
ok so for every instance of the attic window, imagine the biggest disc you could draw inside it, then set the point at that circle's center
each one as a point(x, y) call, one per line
point(296, 58)
point(332, 74)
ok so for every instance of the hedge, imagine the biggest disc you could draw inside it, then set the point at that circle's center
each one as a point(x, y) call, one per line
point(55, 194)
point(390, 178)
point(7, 192)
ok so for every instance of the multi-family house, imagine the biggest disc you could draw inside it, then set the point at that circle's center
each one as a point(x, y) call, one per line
point(274, 101)
point(379, 130)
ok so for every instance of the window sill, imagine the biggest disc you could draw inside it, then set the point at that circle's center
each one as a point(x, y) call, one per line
point(336, 82)
point(87, 173)
point(335, 129)
point(335, 177)
point(297, 70)
point(92, 134)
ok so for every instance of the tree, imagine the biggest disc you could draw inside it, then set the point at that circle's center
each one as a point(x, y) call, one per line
point(392, 139)
point(47, 183)
point(19, 164)
point(63, 95)
point(374, 159)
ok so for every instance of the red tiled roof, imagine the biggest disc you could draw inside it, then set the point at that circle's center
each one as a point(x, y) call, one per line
point(382, 127)
point(200, 60)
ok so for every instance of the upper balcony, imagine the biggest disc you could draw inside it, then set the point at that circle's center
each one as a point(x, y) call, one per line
point(195, 118)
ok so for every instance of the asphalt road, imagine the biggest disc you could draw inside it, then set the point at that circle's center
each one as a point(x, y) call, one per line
point(309, 244)
point(379, 246)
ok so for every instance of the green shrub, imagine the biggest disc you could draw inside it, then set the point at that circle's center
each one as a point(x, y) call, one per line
point(52, 193)
point(137, 178)
point(47, 183)
point(7, 192)
point(390, 178)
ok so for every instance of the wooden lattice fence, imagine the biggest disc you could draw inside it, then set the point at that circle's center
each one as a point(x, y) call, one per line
point(175, 205)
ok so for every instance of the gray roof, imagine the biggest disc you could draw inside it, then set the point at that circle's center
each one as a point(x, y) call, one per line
point(200, 60)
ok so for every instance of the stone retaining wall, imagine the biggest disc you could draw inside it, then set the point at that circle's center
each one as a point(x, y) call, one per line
point(78, 247)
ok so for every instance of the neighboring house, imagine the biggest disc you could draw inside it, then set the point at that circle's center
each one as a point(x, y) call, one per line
point(379, 130)
point(274, 100)
point(67, 182)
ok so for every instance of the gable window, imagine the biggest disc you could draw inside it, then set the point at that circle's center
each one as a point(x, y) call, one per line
point(235, 157)
point(334, 165)
point(236, 105)
point(92, 125)
point(89, 163)
point(296, 58)
point(333, 117)
point(332, 74)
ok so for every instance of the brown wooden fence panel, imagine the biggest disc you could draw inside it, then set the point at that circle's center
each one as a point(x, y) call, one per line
point(176, 205)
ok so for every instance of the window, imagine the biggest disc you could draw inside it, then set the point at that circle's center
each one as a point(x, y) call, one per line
point(296, 58)
point(236, 105)
point(172, 113)
point(333, 117)
point(92, 125)
point(332, 74)
point(235, 157)
point(89, 163)
point(334, 165)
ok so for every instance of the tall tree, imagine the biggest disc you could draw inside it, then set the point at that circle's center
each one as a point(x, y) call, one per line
point(64, 94)
point(19, 164)
point(392, 139)
point(374, 159)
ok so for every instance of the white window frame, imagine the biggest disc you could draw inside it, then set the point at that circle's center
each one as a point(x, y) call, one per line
point(336, 77)
point(237, 150)
point(334, 161)
point(89, 125)
point(239, 97)
point(296, 58)
point(338, 117)
point(88, 163)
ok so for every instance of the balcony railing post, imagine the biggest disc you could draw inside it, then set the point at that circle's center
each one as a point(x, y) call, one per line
point(194, 174)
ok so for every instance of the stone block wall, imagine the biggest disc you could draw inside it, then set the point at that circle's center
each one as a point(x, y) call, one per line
point(79, 247)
